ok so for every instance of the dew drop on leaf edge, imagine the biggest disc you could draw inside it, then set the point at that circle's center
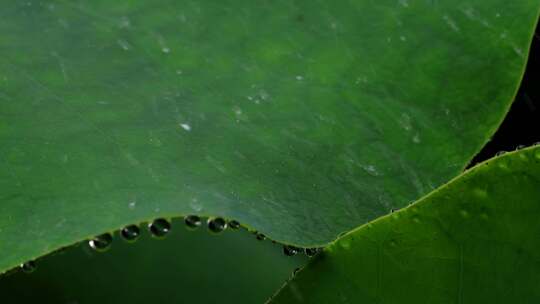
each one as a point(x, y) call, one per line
point(130, 233)
point(234, 224)
point(260, 236)
point(290, 250)
point(159, 228)
point(500, 153)
point(192, 221)
point(101, 242)
point(311, 251)
point(28, 267)
point(217, 224)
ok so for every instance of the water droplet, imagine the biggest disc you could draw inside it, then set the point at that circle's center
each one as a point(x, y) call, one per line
point(290, 250)
point(130, 233)
point(28, 267)
point(260, 236)
point(311, 251)
point(101, 242)
point(234, 224)
point(159, 227)
point(192, 221)
point(217, 225)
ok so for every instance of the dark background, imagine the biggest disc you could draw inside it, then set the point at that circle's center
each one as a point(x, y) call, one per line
point(521, 127)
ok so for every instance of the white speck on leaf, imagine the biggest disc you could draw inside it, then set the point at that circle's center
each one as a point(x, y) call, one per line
point(299, 78)
point(370, 169)
point(132, 205)
point(361, 79)
point(451, 23)
point(131, 159)
point(124, 44)
point(405, 121)
point(518, 51)
point(124, 22)
point(185, 126)
point(469, 12)
point(404, 3)
point(195, 205)
point(416, 138)
point(402, 38)
point(264, 95)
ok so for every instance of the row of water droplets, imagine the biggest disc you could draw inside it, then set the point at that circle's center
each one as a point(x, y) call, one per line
point(519, 147)
point(159, 228)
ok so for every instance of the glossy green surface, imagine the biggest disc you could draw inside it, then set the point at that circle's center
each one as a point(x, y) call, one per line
point(475, 240)
point(185, 267)
point(300, 119)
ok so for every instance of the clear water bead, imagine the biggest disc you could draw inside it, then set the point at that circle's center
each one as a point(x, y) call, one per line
point(159, 228)
point(217, 224)
point(101, 242)
point(130, 233)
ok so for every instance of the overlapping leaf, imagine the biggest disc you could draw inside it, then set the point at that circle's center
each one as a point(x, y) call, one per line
point(475, 240)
